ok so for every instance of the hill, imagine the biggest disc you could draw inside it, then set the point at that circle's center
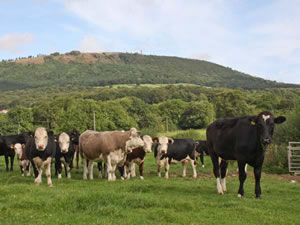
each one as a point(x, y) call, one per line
point(102, 69)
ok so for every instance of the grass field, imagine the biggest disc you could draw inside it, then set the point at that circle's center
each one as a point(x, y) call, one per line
point(150, 201)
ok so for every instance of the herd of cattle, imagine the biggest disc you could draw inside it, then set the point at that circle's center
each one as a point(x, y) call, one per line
point(241, 138)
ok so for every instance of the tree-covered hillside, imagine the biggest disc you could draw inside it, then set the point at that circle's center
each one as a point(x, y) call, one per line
point(101, 69)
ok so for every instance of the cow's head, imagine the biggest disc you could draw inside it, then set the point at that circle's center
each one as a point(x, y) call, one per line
point(41, 138)
point(74, 135)
point(163, 143)
point(134, 140)
point(264, 123)
point(18, 150)
point(148, 143)
point(64, 142)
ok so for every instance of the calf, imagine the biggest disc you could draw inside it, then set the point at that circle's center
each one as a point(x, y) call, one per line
point(64, 155)
point(74, 136)
point(40, 151)
point(201, 149)
point(138, 156)
point(24, 163)
point(169, 151)
point(7, 147)
point(243, 139)
point(109, 146)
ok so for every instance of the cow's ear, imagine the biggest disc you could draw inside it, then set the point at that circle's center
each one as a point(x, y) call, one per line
point(11, 146)
point(279, 119)
point(155, 140)
point(252, 120)
point(170, 140)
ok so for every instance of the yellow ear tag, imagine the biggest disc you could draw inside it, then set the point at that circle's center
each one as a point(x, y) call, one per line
point(252, 123)
point(55, 140)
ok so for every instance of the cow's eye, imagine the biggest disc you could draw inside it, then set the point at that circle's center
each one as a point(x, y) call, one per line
point(45, 137)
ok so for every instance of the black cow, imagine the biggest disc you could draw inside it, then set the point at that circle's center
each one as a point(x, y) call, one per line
point(169, 151)
point(40, 151)
point(243, 139)
point(7, 147)
point(201, 149)
point(64, 154)
point(74, 136)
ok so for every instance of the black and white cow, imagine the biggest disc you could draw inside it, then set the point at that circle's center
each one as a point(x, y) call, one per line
point(40, 150)
point(243, 139)
point(170, 150)
point(7, 147)
point(201, 149)
point(64, 154)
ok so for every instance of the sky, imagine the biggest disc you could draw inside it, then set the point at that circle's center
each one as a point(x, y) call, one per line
point(260, 38)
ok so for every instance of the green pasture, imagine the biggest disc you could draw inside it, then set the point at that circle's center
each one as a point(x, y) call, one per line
point(150, 201)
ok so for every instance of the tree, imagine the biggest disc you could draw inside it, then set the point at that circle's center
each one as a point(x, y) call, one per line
point(197, 115)
point(22, 116)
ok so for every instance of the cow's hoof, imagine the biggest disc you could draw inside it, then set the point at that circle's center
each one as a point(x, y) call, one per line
point(50, 185)
point(259, 197)
point(59, 176)
point(122, 178)
point(22, 174)
point(142, 178)
point(221, 193)
point(240, 196)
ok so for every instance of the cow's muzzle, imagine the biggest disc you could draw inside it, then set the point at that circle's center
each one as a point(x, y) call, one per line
point(266, 141)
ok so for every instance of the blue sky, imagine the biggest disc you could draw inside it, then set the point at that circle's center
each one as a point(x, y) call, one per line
point(261, 38)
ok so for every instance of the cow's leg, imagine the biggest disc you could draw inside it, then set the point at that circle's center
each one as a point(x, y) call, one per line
point(257, 174)
point(242, 178)
point(99, 166)
point(223, 166)
point(6, 162)
point(12, 158)
point(47, 165)
point(113, 174)
point(122, 171)
point(141, 168)
point(184, 165)
point(132, 169)
point(58, 168)
point(193, 164)
point(128, 169)
point(158, 170)
point(85, 170)
point(90, 169)
point(38, 162)
point(216, 170)
point(202, 159)
point(68, 169)
point(167, 169)
point(109, 168)
point(28, 169)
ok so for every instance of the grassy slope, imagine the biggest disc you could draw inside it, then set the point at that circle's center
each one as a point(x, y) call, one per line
point(150, 201)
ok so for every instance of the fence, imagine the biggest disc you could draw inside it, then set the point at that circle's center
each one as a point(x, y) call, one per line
point(294, 157)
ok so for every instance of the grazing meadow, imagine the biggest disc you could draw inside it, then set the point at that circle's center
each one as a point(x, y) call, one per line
point(153, 200)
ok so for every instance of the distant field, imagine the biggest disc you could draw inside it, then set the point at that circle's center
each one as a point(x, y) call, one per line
point(147, 85)
point(150, 201)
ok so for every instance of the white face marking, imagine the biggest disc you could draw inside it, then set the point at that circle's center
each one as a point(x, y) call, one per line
point(163, 145)
point(265, 117)
point(64, 142)
point(41, 138)
point(18, 150)
point(148, 143)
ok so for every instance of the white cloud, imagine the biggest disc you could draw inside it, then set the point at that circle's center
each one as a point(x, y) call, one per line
point(89, 44)
point(260, 40)
point(13, 43)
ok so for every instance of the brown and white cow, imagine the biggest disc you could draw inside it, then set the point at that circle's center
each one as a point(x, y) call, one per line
point(109, 146)
point(24, 163)
point(138, 156)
